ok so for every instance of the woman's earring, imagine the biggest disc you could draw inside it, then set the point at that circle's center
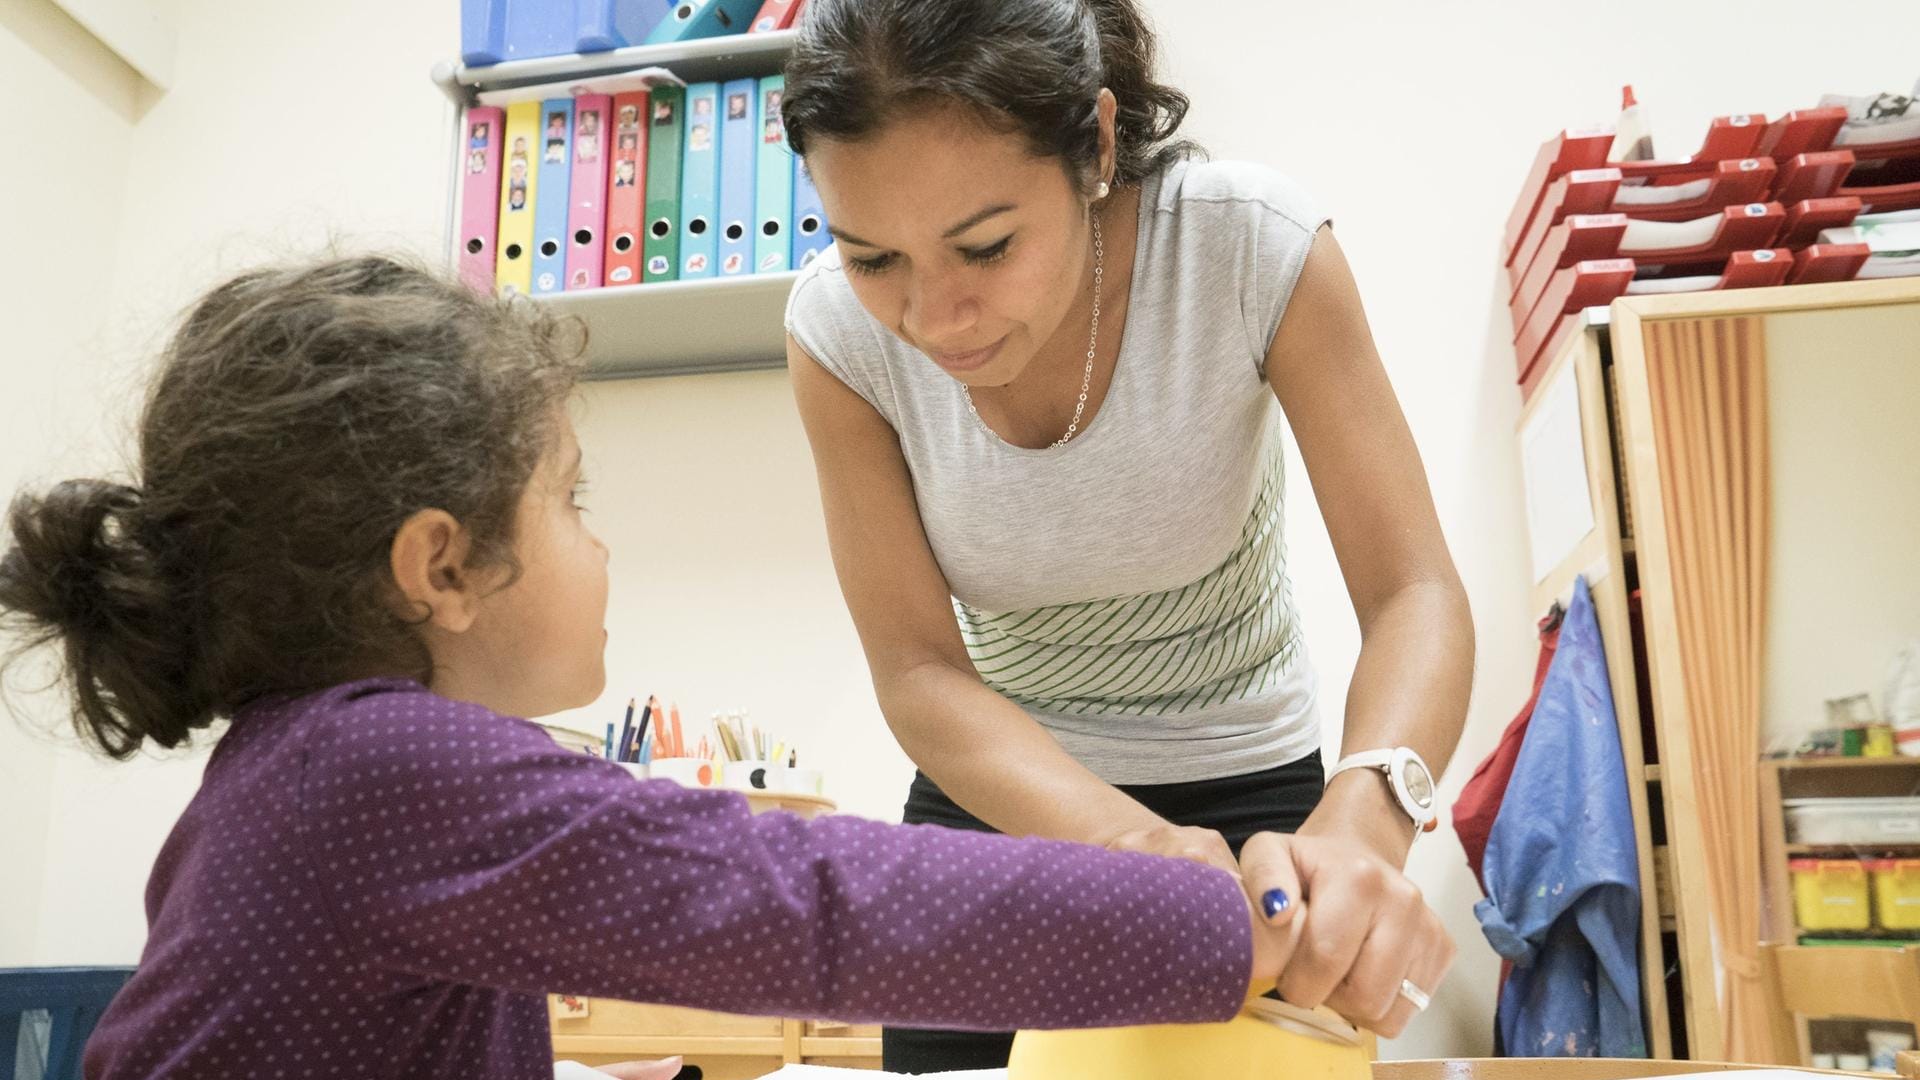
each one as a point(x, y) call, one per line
point(1103, 190)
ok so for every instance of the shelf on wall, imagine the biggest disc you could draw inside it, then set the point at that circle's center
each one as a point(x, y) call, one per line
point(681, 327)
point(732, 56)
point(1852, 850)
point(1846, 762)
point(669, 328)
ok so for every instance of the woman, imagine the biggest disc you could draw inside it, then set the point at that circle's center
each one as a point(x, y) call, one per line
point(1043, 372)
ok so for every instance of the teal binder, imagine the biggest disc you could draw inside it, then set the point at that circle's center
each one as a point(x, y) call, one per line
point(773, 204)
point(700, 184)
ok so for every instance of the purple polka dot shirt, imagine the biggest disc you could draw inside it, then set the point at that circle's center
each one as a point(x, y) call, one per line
point(374, 881)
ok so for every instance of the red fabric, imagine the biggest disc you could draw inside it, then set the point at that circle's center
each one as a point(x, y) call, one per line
point(1479, 801)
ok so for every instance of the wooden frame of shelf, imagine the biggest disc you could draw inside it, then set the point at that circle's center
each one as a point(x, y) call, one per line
point(1640, 470)
point(669, 328)
point(1601, 555)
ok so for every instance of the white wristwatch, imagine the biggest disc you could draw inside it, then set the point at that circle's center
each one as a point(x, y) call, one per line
point(1407, 775)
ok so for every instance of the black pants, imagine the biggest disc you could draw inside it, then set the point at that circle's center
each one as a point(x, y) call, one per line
point(1276, 800)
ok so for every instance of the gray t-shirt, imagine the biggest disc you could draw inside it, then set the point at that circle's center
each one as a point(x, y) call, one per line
point(1128, 589)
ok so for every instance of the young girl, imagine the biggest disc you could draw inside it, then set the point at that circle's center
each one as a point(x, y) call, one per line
point(355, 534)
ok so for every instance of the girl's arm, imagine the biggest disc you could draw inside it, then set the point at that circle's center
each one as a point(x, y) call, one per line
point(459, 845)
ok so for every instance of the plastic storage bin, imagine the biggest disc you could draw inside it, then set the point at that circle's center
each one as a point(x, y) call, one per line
point(494, 31)
point(1863, 822)
point(1896, 893)
point(1830, 894)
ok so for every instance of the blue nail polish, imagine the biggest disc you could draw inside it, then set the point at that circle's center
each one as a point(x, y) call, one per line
point(1275, 901)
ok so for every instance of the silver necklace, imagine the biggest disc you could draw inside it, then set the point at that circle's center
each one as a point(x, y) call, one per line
point(1093, 338)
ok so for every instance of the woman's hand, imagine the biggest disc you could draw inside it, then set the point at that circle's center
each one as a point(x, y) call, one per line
point(1344, 928)
point(1179, 842)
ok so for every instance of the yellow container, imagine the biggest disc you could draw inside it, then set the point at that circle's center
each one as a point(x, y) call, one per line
point(1896, 893)
point(1831, 894)
point(1248, 1047)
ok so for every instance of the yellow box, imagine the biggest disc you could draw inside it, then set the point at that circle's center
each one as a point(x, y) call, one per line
point(1896, 893)
point(1831, 894)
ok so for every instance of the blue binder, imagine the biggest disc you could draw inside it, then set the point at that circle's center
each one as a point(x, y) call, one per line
point(739, 120)
point(553, 195)
point(493, 31)
point(773, 183)
point(692, 19)
point(809, 218)
point(700, 184)
point(614, 24)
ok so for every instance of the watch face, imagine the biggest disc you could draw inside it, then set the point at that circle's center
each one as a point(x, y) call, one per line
point(1417, 781)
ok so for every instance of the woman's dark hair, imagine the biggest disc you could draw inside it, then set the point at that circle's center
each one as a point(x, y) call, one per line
point(299, 416)
point(1034, 66)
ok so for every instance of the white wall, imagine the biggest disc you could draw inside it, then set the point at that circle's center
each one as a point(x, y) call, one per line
point(73, 102)
point(290, 123)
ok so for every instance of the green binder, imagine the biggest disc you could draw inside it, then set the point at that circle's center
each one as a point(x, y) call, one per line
point(667, 129)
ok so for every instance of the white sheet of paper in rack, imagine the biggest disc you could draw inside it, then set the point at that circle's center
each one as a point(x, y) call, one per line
point(1553, 461)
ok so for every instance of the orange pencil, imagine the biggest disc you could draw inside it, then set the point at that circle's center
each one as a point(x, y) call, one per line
point(679, 744)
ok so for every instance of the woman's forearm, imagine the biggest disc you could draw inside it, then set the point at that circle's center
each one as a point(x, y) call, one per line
point(989, 756)
point(1410, 688)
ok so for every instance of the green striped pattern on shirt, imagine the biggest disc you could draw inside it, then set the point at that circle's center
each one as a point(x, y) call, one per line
point(1227, 636)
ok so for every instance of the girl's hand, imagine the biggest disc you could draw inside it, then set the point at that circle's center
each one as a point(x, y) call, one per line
point(1344, 927)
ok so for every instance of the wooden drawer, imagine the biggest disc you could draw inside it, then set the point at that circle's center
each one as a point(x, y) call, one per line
point(606, 1016)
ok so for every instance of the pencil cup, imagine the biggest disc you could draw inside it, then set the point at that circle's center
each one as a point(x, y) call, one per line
point(687, 771)
point(760, 776)
point(638, 770)
point(798, 781)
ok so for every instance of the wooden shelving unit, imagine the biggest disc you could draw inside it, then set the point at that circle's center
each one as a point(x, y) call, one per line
point(1813, 778)
point(1602, 555)
point(1625, 552)
point(1879, 978)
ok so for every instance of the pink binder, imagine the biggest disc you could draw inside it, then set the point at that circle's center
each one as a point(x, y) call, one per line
point(485, 129)
point(587, 208)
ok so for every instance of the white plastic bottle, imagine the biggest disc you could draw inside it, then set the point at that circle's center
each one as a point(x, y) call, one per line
point(1632, 137)
point(1902, 705)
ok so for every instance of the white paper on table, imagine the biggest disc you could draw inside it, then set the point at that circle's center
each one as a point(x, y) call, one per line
point(1553, 462)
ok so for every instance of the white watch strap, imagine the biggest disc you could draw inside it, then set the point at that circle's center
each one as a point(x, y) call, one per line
point(1365, 759)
